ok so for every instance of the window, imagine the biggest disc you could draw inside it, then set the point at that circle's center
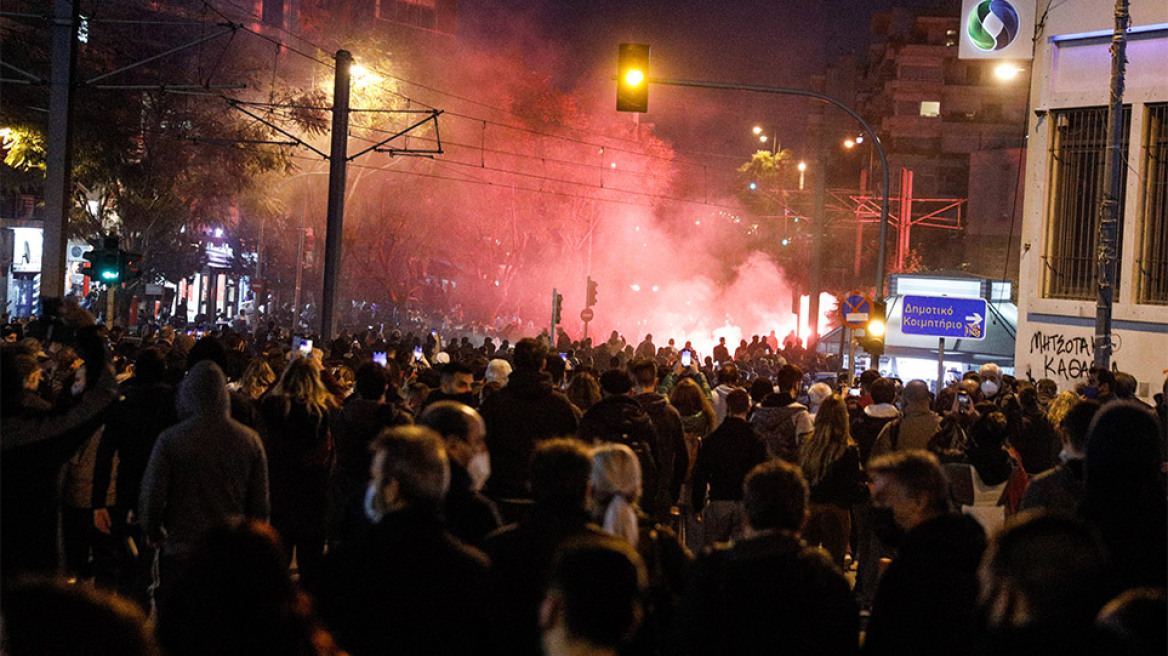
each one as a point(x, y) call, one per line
point(930, 108)
point(418, 13)
point(1076, 187)
point(921, 72)
point(1152, 262)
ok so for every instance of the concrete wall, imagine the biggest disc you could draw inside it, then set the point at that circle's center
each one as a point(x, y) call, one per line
point(1055, 336)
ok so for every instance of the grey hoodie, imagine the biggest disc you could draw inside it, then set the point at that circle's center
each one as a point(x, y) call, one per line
point(204, 470)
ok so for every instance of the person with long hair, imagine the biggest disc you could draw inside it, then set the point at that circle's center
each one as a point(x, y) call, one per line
point(697, 413)
point(257, 378)
point(698, 420)
point(614, 500)
point(296, 416)
point(583, 391)
point(831, 464)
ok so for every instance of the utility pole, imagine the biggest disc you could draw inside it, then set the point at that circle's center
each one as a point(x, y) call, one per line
point(818, 228)
point(58, 158)
point(338, 169)
point(1109, 206)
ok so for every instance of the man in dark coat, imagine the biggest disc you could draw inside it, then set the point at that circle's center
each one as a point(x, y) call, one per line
point(769, 593)
point(670, 452)
point(926, 600)
point(522, 553)
point(363, 416)
point(518, 416)
point(469, 515)
point(725, 458)
point(619, 418)
point(407, 586)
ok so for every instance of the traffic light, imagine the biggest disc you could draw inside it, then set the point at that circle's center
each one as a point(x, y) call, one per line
point(557, 304)
point(590, 298)
point(109, 264)
point(632, 78)
point(873, 339)
point(104, 265)
point(130, 265)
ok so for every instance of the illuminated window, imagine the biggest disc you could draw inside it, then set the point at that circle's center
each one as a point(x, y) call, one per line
point(1152, 262)
point(1076, 187)
point(930, 108)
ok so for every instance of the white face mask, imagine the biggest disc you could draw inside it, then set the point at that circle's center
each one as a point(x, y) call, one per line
point(989, 387)
point(78, 383)
point(372, 507)
point(479, 469)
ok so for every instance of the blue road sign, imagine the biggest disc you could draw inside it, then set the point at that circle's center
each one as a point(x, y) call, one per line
point(944, 316)
point(856, 309)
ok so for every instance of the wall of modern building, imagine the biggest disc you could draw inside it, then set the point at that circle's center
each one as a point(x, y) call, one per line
point(1069, 89)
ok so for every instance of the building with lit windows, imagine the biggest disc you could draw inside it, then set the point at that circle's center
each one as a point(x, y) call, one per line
point(958, 128)
point(1064, 184)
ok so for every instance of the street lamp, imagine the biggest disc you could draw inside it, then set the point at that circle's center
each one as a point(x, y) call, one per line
point(802, 171)
point(1007, 71)
point(763, 138)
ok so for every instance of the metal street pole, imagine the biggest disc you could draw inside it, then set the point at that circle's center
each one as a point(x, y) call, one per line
point(338, 168)
point(880, 253)
point(818, 228)
point(58, 157)
point(1109, 206)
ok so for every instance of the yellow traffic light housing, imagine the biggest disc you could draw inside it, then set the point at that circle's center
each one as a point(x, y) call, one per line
point(873, 340)
point(632, 78)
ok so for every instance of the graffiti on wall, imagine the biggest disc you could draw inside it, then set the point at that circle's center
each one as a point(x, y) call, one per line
point(1065, 356)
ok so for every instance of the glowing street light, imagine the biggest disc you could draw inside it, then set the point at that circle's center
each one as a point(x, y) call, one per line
point(763, 138)
point(802, 172)
point(849, 143)
point(1006, 71)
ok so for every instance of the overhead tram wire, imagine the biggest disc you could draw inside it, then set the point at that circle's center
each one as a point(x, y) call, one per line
point(470, 179)
point(494, 123)
point(490, 122)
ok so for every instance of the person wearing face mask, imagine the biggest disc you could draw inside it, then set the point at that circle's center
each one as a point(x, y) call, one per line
point(927, 598)
point(470, 516)
point(407, 586)
point(1100, 386)
point(991, 382)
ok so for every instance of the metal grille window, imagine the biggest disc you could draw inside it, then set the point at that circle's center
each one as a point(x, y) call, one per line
point(1076, 186)
point(1152, 261)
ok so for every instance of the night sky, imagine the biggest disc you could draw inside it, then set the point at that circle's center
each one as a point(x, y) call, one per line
point(775, 42)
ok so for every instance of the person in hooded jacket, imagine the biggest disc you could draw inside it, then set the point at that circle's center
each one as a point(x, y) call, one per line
point(782, 423)
point(204, 470)
point(520, 415)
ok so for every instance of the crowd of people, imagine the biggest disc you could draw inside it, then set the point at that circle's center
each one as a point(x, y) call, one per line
point(237, 492)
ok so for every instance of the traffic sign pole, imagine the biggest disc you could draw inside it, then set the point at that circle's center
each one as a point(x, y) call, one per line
point(851, 354)
point(940, 363)
point(586, 316)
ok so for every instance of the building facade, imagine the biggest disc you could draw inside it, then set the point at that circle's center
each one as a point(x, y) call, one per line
point(1064, 185)
point(957, 128)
